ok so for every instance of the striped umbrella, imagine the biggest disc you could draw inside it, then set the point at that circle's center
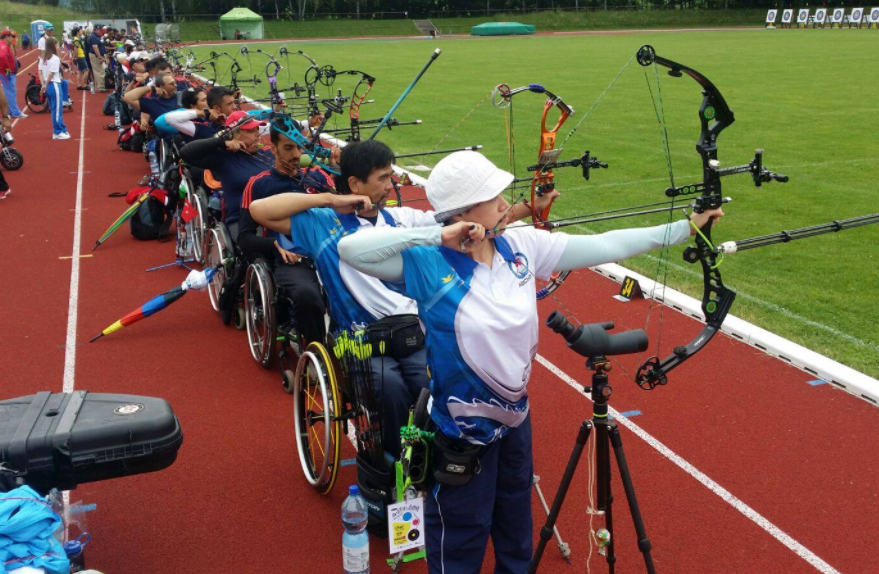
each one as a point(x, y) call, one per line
point(195, 280)
point(142, 193)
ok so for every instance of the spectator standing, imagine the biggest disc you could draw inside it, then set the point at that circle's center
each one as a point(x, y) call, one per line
point(97, 57)
point(52, 88)
point(8, 71)
point(7, 125)
point(82, 67)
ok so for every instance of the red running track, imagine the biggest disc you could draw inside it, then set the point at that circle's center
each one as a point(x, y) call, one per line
point(803, 457)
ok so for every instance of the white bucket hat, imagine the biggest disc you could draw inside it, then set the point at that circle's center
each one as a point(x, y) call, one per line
point(463, 179)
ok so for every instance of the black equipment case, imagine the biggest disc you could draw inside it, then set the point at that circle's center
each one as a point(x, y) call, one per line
point(61, 440)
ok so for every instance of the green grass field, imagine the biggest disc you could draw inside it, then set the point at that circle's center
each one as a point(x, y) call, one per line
point(804, 96)
point(19, 16)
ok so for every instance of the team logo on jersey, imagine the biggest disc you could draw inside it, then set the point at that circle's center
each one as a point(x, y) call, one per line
point(519, 265)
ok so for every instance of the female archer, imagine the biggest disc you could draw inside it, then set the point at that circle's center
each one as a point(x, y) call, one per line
point(476, 297)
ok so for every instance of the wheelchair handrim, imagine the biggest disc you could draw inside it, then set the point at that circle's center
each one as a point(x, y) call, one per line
point(306, 459)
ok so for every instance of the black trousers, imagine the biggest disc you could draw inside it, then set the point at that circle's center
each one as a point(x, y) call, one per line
point(3, 185)
point(309, 308)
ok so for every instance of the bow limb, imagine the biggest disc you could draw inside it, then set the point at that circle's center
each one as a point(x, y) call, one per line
point(544, 179)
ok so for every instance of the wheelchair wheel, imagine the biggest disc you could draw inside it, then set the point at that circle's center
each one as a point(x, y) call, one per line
point(259, 312)
point(217, 251)
point(11, 158)
point(35, 100)
point(198, 226)
point(239, 320)
point(316, 418)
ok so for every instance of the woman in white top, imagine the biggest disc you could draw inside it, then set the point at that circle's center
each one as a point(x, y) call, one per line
point(51, 71)
point(476, 298)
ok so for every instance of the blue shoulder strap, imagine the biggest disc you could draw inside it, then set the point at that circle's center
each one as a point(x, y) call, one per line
point(388, 218)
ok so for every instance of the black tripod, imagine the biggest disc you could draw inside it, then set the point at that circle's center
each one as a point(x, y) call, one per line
point(589, 340)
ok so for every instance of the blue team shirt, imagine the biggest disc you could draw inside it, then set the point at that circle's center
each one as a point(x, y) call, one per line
point(315, 233)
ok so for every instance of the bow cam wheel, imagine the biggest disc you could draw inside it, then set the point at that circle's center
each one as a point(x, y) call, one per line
point(548, 287)
point(646, 55)
point(501, 96)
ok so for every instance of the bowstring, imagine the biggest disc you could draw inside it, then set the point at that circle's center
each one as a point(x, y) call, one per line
point(543, 170)
point(662, 265)
point(445, 137)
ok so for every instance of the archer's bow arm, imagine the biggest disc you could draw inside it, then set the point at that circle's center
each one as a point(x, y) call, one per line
point(376, 252)
point(585, 251)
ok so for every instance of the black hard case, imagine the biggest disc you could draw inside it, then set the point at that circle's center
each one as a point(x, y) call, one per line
point(61, 440)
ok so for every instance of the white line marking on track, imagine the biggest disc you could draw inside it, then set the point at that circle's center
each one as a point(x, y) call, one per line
point(694, 472)
point(73, 300)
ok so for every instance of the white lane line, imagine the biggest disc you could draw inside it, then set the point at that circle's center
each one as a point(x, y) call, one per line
point(694, 472)
point(73, 300)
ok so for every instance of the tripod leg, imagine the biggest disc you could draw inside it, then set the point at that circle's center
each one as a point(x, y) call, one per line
point(643, 542)
point(547, 530)
point(604, 495)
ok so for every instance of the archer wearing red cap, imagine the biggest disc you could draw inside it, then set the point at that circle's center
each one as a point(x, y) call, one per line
point(232, 161)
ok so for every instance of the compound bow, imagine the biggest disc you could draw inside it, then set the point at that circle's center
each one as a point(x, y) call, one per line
point(714, 117)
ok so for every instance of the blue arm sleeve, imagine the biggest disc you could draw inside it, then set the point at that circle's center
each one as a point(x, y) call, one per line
point(314, 229)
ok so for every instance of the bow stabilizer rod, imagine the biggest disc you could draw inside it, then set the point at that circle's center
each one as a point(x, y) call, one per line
point(800, 233)
point(405, 93)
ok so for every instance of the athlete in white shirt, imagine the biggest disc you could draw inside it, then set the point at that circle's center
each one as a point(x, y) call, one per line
point(51, 70)
point(476, 297)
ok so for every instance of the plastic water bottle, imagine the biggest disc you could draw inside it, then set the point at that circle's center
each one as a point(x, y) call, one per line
point(154, 164)
point(92, 86)
point(75, 550)
point(355, 540)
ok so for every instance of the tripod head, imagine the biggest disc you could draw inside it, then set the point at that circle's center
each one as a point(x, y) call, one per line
point(594, 341)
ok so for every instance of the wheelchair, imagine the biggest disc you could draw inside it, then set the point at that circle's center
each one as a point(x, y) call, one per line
point(190, 234)
point(332, 387)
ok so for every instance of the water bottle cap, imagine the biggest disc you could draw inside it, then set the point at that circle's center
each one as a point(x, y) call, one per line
point(72, 547)
point(353, 490)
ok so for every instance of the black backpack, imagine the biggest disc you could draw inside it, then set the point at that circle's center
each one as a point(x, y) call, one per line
point(151, 220)
point(110, 104)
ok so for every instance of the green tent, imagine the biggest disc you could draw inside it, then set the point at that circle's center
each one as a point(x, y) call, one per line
point(246, 23)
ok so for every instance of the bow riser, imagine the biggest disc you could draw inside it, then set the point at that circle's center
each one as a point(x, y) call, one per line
point(544, 180)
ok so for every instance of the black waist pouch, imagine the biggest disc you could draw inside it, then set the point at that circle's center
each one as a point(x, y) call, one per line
point(396, 336)
point(455, 462)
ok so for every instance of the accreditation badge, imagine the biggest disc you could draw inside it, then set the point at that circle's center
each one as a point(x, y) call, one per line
point(406, 525)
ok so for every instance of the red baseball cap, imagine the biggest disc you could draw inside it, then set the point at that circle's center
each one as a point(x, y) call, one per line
point(236, 117)
point(7, 33)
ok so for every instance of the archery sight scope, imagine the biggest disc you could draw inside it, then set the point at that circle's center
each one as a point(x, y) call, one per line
point(593, 339)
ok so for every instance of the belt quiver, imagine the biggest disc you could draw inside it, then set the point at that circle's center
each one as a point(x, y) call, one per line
point(396, 336)
point(455, 462)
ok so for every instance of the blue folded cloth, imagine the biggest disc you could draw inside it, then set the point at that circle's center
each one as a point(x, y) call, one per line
point(27, 527)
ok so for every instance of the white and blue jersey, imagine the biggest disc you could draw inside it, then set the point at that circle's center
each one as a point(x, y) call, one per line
point(481, 328)
point(355, 298)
